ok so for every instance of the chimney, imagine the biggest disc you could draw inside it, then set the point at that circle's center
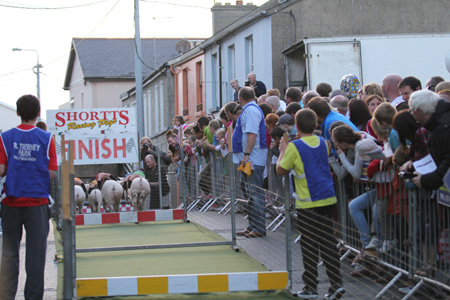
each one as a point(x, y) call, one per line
point(224, 15)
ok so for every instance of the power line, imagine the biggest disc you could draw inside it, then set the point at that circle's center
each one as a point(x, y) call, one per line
point(176, 4)
point(51, 8)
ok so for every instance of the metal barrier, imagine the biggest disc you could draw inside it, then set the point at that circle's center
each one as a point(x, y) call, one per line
point(407, 226)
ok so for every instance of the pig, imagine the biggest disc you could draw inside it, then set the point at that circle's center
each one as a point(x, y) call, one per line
point(80, 197)
point(140, 189)
point(111, 195)
point(95, 200)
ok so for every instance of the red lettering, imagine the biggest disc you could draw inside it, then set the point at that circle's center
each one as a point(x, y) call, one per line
point(104, 114)
point(114, 112)
point(82, 148)
point(83, 116)
point(60, 117)
point(94, 115)
point(97, 150)
point(124, 115)
point(105, 147)
point(69, 113)
point(122, 148)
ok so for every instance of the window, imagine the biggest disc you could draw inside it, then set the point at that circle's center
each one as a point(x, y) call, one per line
point(161, 105)
point(149, 116)
point(145, 104)
point(231, 63)
point(157, 115)
point(248, 55)
point(215, 81)
point(199, 81)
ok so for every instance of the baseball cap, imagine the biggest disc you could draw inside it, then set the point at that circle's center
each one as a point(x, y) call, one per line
point(286, 119)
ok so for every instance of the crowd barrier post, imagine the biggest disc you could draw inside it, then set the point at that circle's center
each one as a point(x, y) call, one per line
point(287, 215)
point(232, 173)
point(158, 151)
point(182, 176)
point(68, 206)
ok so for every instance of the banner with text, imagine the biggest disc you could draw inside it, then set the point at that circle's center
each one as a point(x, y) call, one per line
point(100, 135)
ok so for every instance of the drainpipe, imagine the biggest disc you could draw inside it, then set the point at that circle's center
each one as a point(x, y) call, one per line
point(220, 77)
point(175, 74)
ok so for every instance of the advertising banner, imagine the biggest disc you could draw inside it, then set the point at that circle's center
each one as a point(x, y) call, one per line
point(100, 135)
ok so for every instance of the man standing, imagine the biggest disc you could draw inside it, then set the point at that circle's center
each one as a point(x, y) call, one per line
point(409, 85)
point(235, 85)
point(28, 158)
point(249, 145)
point(434, 114)
point(390, 89)
point(258, 86)
point(152, 175)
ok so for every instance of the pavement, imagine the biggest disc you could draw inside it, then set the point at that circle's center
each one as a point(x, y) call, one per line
point(51, 273)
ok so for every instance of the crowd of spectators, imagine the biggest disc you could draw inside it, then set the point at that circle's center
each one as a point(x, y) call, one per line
point(373, 132)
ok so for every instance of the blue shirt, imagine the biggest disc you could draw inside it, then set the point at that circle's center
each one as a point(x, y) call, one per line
point(251, 118)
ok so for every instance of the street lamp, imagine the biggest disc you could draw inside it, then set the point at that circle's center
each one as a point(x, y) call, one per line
point(37, 69)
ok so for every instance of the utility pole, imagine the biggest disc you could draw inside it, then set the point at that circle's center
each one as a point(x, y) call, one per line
point(138, 72)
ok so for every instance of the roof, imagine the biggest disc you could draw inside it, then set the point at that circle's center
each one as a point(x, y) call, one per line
point(103, 58)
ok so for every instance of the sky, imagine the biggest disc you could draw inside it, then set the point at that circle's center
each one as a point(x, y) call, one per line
point(48, 26)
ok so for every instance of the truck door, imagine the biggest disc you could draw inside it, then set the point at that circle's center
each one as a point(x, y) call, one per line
point(330, 61)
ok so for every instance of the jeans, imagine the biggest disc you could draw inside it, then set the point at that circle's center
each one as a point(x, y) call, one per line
point(357, 207)
point(35, 219)
point(256, 205)
point(316, 227)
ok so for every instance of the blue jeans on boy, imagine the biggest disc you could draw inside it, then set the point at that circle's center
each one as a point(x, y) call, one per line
point(357, 207)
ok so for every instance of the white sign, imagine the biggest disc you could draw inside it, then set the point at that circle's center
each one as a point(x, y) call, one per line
point(100, 135)
point(425, 165)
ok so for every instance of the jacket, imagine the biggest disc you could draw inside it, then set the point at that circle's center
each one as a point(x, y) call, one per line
point(439, 144)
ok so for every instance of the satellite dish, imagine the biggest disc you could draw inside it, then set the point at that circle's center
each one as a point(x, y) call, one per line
point(183, 46)
point(447, 61)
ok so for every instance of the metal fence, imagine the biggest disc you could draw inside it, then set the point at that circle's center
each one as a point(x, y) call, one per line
point(389, 225)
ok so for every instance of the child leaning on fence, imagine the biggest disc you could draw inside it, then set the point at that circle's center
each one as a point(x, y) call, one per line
point(315, 203)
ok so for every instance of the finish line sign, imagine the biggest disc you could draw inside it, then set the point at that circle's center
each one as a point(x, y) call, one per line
point(100, 135)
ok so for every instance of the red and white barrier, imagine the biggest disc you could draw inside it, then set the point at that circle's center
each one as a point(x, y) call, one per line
point(130, 217)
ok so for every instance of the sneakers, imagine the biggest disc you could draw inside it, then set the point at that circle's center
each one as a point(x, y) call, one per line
point(307, 293)
point(373, 244)
point(388, 246)
point(335, 292)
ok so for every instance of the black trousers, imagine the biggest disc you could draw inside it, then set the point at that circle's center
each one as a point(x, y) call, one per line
point(35, 220)
point(316, 228)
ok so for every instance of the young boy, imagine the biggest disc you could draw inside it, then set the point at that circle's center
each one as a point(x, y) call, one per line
point(28, 158)
point(315, 204)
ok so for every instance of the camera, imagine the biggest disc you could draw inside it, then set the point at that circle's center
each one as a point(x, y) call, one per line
point(406, 175)
point(145, 146)
point(247, 83)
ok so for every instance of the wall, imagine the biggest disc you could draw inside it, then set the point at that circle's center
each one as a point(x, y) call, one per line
point(224, 15)
point(8, 117)
point(195, 92)
point(323, 18)
point(262, 67)
point(158, 103)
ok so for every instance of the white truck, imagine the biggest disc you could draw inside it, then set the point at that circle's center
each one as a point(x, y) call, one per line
point(369, 57)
